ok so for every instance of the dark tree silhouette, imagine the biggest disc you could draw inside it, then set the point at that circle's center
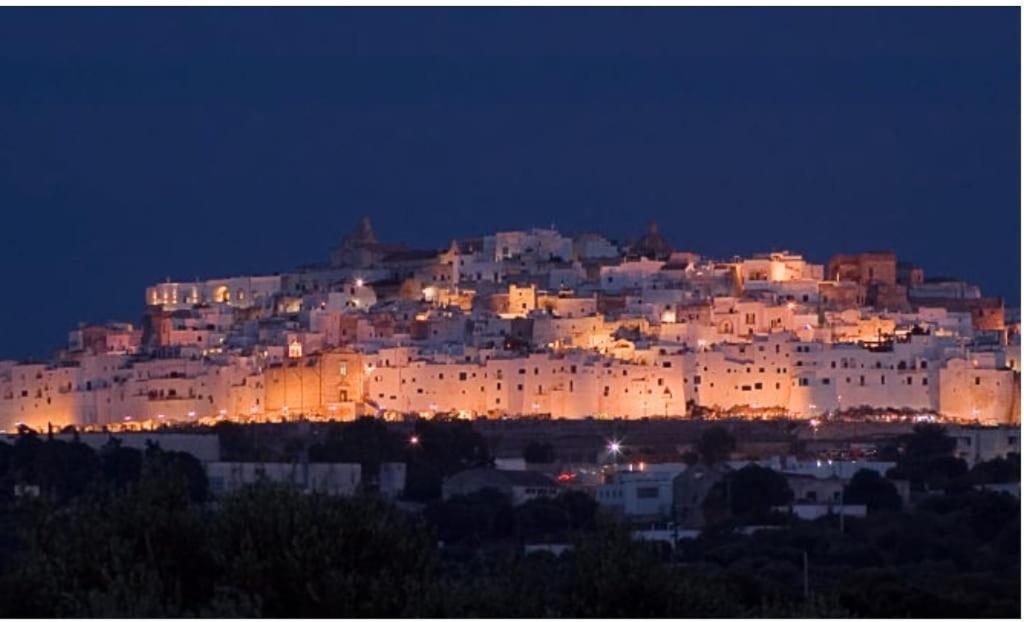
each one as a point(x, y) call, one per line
point(539, 453)
point(753, 491)
point(926, 460)
point(871, 489)
point(715, 445)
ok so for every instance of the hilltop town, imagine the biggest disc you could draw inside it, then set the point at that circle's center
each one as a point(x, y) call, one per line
point(537, 324)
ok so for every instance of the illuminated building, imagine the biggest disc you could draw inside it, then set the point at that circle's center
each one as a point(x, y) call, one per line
point(537, 324)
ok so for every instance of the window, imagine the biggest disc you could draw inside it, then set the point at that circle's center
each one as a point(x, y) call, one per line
point(343, 368)
point(647, 492)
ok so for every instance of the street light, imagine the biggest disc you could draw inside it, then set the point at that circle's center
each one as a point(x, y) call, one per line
point(614, 449)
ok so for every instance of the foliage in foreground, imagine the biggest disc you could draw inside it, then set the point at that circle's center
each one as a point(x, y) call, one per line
point(124, 533)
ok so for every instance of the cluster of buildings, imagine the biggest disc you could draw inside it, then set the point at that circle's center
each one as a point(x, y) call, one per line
point(225, 476)
point(665, 498)
point(537, 323)
point(663, 494)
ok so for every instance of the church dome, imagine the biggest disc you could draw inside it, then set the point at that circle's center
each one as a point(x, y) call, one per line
point(651, 245)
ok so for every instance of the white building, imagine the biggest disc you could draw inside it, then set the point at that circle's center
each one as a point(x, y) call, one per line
point(327, 478)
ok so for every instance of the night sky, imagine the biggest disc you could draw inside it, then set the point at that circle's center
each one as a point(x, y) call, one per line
point(137, 145)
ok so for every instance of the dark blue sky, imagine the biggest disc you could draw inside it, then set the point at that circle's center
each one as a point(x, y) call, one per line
point(141, 144)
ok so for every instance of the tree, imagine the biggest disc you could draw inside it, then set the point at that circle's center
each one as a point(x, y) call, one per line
point(476, 517)
point(986, 513)
point(138, 553)
point(928, 440)
point(539, 453)
point(695, 410)
point(926, 458)
point(580, 508)
point(174, 468)
point(998, 470)
point(871, 489)
point(252, 442)
point(312, 555)
point(715, 445)
point(753, 491)
point(444, 448)
point(452, 446)
point(60, 469)
point(615, 576)
point(366, 441)
point(121, 466)
point(556, 517)
point(6, 459)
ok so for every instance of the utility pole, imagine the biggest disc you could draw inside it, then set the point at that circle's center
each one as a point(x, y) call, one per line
point(842, 510)
point(807, 590)
point(728, 494)
point(675, 525)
